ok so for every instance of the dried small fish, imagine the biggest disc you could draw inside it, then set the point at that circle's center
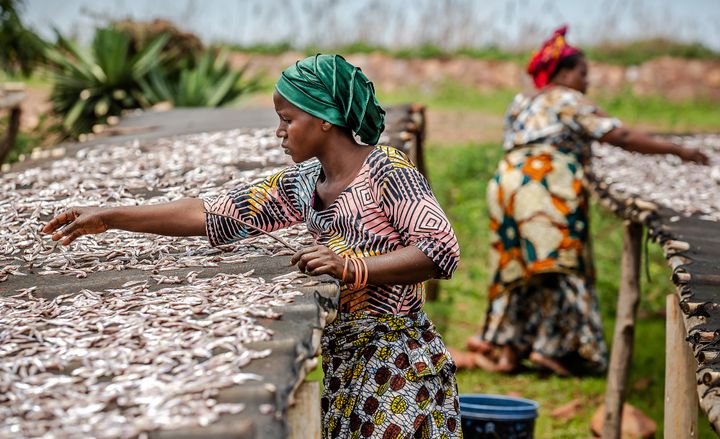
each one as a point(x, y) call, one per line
point(687, 188)
point(119, 362)
point(146, 366)
point(123, 175)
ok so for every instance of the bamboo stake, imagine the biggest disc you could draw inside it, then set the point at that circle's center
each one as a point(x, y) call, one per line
point(621, 355)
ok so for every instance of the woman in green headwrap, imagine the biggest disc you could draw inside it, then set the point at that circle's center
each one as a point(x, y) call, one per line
point(379, 230)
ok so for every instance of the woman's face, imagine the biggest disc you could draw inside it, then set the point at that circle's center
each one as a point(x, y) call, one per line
point(575, 78)
point(301, 133)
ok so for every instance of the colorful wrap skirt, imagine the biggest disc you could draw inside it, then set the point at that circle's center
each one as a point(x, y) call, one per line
point(553, 314)
point(541, 294)
point(387, 377)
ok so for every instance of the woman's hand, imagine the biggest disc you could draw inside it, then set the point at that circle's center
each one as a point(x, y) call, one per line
point(77, 221)
point(690, 154)
point(317, 260)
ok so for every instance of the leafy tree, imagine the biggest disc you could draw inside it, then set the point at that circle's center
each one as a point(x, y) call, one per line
point(22, 50)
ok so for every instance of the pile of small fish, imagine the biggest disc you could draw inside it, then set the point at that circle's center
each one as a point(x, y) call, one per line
point(119, 362)
point(687, 188)
point(130, 174)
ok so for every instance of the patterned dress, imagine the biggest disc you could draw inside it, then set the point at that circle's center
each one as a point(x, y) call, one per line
point(387, 371)
point(541, 294)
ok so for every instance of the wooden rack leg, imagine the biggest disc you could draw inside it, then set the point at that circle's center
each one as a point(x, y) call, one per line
point(304, 417)
point(681, 399)
point(13, 127)
point(622, 347)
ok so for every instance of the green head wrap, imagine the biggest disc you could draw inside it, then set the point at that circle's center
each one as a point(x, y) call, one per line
point(332, 89)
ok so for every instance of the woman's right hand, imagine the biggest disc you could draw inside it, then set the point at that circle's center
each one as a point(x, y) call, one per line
point(75, 222)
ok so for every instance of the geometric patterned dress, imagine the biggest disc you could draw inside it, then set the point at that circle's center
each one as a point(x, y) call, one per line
point(542, 296)
point(387, 370)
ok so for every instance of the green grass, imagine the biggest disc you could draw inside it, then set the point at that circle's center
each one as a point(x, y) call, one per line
point(640, 51)
point(655, 111)
point(451, 95)
point(683, 116)
point(626, 54)
point(459, 175)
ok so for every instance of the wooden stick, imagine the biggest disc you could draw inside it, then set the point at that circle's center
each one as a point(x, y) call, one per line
point(694, 308)
point(246, 224)
point(707, 356)
point(681, 399)
point(12, 130)
point(711, 379)
point(622, 348)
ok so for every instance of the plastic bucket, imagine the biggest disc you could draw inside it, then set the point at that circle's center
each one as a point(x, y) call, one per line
point(495, 416)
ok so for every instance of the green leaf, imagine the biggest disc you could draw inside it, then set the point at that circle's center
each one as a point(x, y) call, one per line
point(149, 57)
point(222, 89)
point(74, 114)
point(110, 47)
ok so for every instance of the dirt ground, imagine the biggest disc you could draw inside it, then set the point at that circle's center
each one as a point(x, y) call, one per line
point(35, 104)
point(452, 127)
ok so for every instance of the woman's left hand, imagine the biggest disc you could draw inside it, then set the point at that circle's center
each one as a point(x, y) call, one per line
point(317, 260)
point(690, 154)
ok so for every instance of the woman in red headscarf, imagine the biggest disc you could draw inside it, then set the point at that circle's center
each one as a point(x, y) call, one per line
point(542, 301)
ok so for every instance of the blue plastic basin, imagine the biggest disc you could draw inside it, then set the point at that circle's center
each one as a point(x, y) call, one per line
point(495, 416)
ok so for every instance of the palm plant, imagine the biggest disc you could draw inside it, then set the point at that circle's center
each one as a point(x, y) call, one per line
point(211, 82)
point(89, 87)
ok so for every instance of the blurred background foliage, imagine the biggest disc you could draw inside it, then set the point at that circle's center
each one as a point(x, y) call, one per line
point(128, 65)
point(22, 50)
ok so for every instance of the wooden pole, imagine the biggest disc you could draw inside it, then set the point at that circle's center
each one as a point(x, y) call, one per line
point(12, 130)
point(622, 347)
point(304, 416)
point(681, 399)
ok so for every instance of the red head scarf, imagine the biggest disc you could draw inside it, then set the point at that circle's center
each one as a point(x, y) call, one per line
point(544, 62)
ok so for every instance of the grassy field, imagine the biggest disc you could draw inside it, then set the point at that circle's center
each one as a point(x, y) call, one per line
point(653, 112)
point(626, 54)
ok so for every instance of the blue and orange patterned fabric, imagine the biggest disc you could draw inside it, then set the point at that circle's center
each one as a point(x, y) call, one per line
point(537, 202)
point(389, 205)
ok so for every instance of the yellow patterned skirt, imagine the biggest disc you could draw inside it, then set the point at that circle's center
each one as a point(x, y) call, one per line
point(387, 376)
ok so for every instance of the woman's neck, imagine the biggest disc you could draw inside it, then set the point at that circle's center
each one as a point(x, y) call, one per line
point(343, 159)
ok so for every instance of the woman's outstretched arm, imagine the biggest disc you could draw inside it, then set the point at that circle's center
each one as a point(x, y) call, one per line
point(634, 140)
point(184, 217)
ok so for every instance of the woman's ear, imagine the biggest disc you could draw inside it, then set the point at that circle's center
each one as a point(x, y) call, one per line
point(325, 126)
